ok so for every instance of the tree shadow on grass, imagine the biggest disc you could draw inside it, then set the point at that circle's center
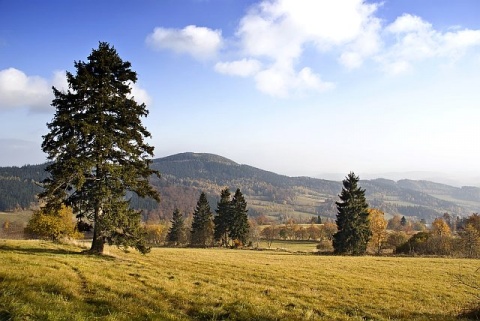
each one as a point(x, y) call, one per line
point(58, 251)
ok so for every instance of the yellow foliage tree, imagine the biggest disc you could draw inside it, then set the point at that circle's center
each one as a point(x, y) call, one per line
point(378, 226)
point(440, 241)
point(53, 225)
point(155, 233)
point(441, 228)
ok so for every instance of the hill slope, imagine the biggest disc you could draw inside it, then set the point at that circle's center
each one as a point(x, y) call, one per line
point(185, 175)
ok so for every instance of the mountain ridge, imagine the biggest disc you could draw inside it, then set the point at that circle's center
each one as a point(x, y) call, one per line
point(184, 175)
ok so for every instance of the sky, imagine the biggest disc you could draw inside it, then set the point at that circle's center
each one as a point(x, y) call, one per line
point(300, 88)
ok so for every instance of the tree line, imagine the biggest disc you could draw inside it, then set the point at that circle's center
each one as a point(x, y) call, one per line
point(229, 227)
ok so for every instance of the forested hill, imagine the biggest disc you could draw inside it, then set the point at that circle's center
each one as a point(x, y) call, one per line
point(185, 175)
point(19, 186)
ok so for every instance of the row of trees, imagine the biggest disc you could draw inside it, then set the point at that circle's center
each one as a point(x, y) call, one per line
point(229, 227)
point(441, 240)
point(361, 228)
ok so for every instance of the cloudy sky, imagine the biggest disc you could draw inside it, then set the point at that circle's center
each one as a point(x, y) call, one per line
point(295, 87)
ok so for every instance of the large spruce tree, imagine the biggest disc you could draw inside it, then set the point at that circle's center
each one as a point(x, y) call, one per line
point(352, 219)
point(202, 224)
point(223, 219)
point(239, 226)
point(96, 145)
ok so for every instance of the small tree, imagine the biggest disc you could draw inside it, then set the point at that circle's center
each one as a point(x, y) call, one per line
point(378, 226)
point(270, 233)
point(155, 233)
point(176, 233)
point(396, 239)
point(52, 225)
point(352, 219)
point(202, 224)
point(470, 241)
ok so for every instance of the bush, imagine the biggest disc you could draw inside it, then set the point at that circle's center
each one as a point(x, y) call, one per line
point(52, 225)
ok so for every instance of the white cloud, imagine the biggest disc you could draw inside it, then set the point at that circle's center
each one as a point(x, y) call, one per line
point(278, 42)
point(140, 95)
point(416, 40)
point(456, 43)
point(282, 82)
point(199, 42)
point(242, 68)
point(276, 33)
point(19, 90)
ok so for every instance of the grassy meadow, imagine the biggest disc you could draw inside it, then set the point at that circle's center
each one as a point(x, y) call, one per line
point(45, 281)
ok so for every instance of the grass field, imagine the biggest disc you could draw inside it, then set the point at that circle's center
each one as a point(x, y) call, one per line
point(21, 217)
point(45, 281)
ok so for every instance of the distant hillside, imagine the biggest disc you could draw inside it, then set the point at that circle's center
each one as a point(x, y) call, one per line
point(185, 175)
point(18, 186)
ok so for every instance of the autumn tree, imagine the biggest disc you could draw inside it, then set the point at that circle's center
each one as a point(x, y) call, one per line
point(270, 233)
point(470, 241)
point(440, 228)
point(155, 233)
point(202, 224)
point(473, 220)
point(313, 232)
point(328, 230)
point(176, 233)
point(440, 241)
point(97, 150)
point(395, 223)
point(352, 219)
point(378, 226)
point(396, 239)
point(53, 225)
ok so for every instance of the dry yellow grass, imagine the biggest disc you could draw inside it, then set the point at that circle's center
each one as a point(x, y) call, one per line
point(45, 281)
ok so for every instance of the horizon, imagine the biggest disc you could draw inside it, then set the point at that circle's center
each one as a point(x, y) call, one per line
point(300, 89)
point(459, 180)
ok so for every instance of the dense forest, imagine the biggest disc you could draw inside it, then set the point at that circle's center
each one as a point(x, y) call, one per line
point(184, 176)
point(19, 186)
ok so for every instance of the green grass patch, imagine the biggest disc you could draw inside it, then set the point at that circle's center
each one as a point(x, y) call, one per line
point(45, 281)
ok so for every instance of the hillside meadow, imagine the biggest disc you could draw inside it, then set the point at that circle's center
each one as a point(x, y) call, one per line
point(45, 281)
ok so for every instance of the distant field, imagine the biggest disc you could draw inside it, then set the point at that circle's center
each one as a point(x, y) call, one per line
point(291, 246)
point(19, 217)
point(45, 281)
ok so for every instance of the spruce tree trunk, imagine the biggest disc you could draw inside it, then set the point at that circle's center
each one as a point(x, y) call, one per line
point(98, 242)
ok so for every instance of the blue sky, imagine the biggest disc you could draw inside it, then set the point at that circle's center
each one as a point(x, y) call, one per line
point(295, 87)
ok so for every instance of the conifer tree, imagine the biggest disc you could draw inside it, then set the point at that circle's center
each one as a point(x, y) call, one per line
point(202, 224)
point(176, 234)
point(352, 219)
point(223, 220)
point(239, 227)
point(96, 145)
